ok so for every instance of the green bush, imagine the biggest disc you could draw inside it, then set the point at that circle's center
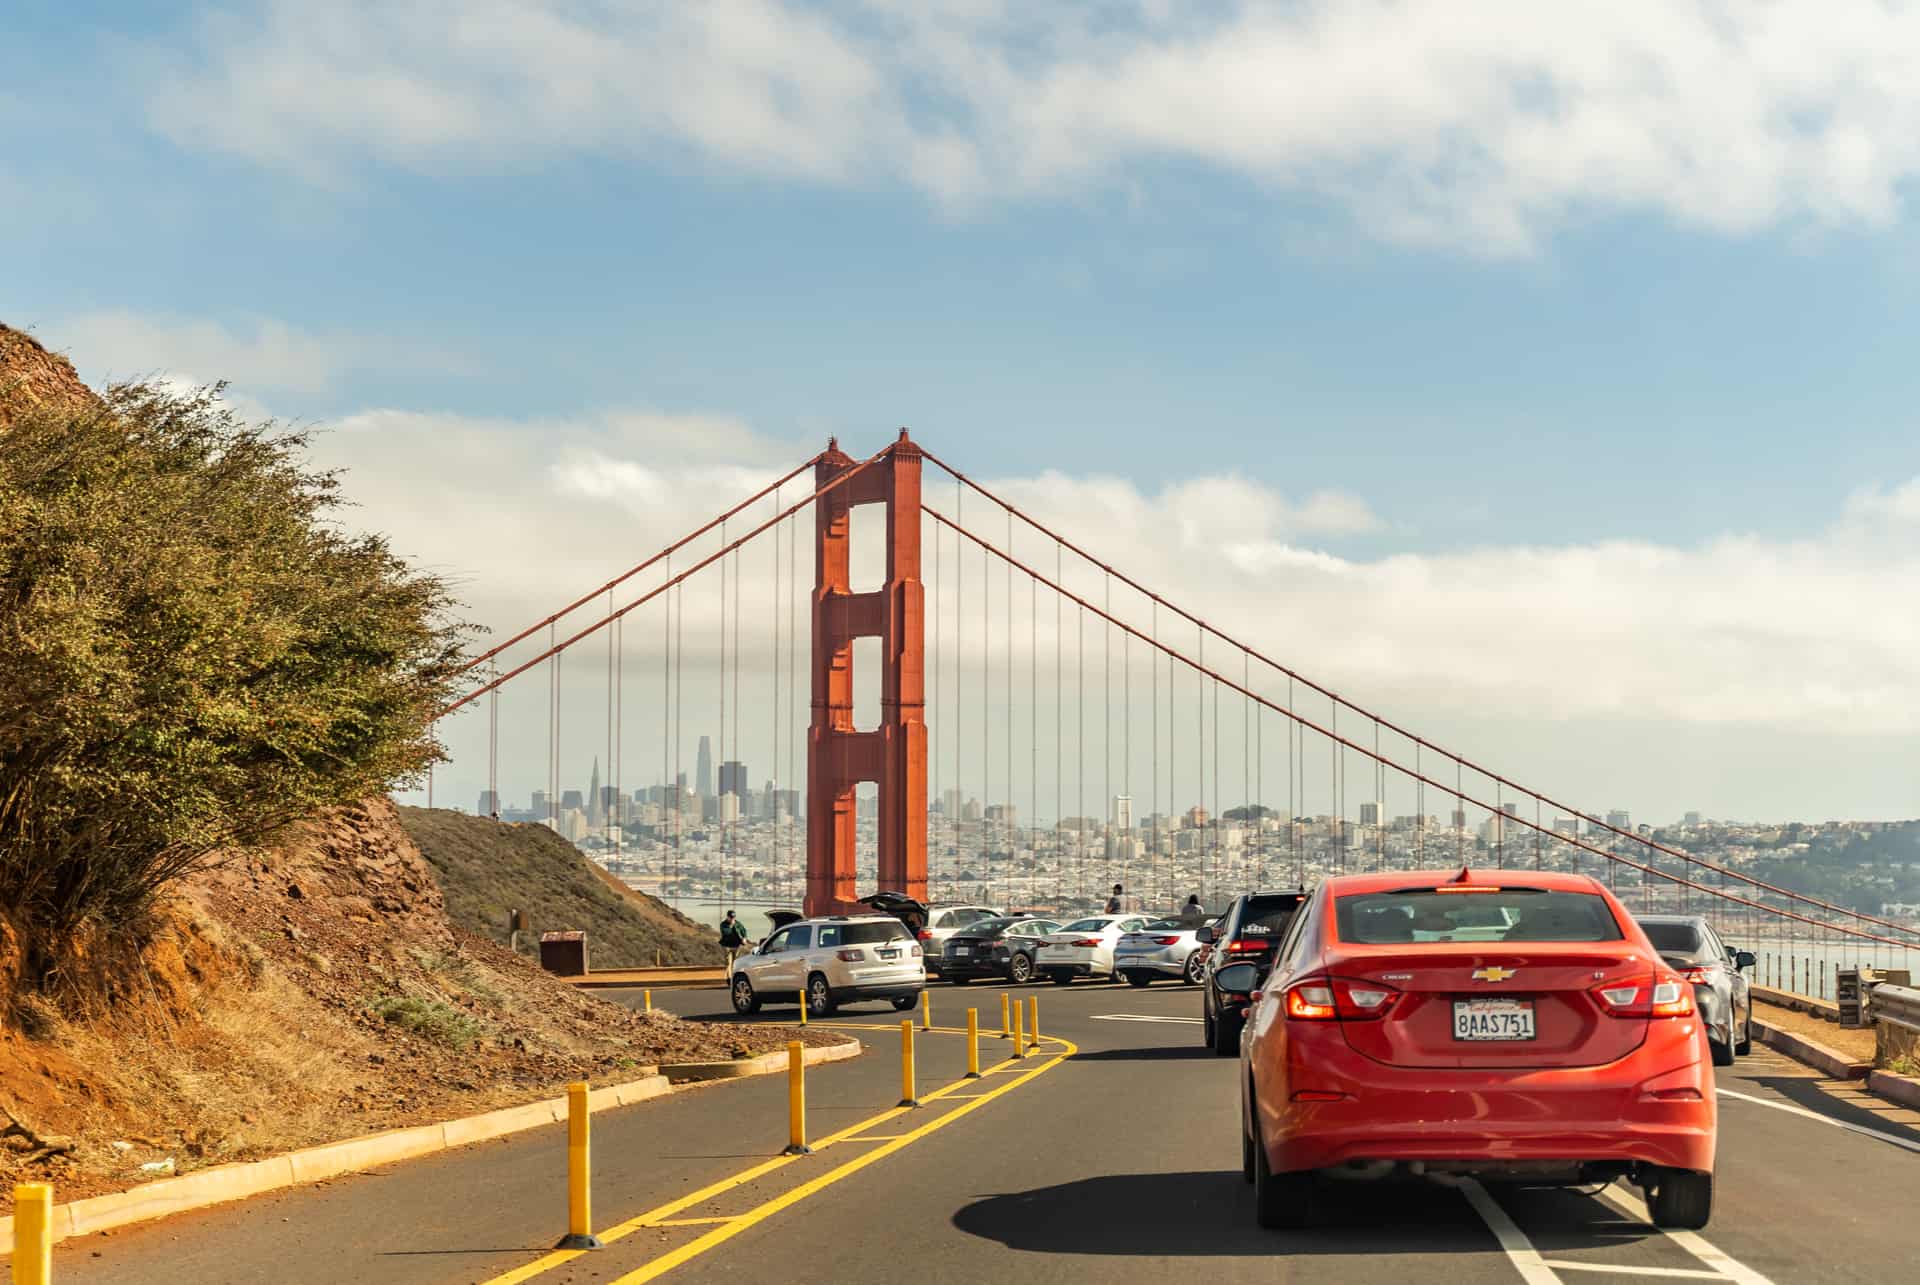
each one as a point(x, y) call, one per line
point(192, 653)
point(429, 1019)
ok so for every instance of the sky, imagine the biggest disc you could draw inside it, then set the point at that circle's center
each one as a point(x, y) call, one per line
point(1538, 376)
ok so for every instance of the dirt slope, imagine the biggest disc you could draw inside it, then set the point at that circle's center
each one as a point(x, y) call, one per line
point(31, 376)
point(486, 869)
point(311, 992)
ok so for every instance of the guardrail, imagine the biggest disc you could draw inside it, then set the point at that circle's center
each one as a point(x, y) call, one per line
point(1896, 1026)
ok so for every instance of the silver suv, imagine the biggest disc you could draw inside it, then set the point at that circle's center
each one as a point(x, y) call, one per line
point(833, 960)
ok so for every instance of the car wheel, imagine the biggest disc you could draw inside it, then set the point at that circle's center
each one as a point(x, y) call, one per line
point(1117, 978)
point(1226, 1036)
point(1282, 1201)
point(1206, 1026)
point(1020, 969)
point(1745, 1046)
point(1681, 1198)
point(744, 1000)
point(819, 996)
point(1195, 969)
point(1059, 978)
point(1722, 1053)
point(1246, 1154)
point(901, 1003)
point(959, 979)
point(1139, 979)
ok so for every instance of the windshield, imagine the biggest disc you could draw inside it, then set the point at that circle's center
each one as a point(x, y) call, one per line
point(1673, 939)
point(868, 934)
point(987, 927)
point(1086, 926)
point(1425, 915)
point(1161, 925)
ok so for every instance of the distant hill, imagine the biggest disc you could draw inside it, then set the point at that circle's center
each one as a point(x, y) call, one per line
point(487, 868)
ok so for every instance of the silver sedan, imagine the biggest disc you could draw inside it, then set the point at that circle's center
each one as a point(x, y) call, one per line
point(1164, 948)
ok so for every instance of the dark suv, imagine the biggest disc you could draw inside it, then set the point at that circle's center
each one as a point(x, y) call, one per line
point(1246, 933)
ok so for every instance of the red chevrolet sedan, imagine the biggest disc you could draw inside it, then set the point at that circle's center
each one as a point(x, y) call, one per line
point(1508, 1025)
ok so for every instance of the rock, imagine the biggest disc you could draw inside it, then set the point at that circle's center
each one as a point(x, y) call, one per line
point(158, 1166)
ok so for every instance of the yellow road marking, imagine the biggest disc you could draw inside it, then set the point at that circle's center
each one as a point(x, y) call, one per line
point(693, 1222)
point(657, 1216)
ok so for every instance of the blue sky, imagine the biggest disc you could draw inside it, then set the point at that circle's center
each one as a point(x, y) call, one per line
point(1537, 299)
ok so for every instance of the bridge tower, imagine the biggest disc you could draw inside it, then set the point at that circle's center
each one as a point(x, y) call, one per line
point(892, 755)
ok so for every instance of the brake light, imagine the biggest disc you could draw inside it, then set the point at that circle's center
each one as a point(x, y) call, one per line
point(1646, 997)
point(926, 934)
point(1466, 887)
point(1086, 943)
point(916, 952)
point(852, 956)
point(1338, 997)
point(1243, 946)
point(1310, 1002)
point(1165, 941)
point(1698, 976)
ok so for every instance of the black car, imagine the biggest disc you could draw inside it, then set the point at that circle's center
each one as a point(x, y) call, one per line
point(1246, 933)
point(1720, 987)
point(1000, 947)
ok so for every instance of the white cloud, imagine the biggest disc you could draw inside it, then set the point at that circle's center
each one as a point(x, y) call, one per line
point(1476, 126)
point(263, 356)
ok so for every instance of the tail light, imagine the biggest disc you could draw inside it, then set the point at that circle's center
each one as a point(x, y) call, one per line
point(1698, 976)
point(1086, 943)
point(1244, 947)
point(926, 934)
point(1324, 998)
point(1667, 996)
point(1165, 941)
point(852, 956)
point(916, 952)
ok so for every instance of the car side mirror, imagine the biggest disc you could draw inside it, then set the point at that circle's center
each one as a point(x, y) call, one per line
point(1204, 935)
point(1744, 959)
point(1238, 979)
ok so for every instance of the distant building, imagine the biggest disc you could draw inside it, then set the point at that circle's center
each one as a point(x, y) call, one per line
point(1619, 820)
point(540, 806)
point(733, 778)
point(489, 804)
point(1197, 817)
point(1123, 812)
point(1691, 820)
point(1369, 814)
point(573, 799)
point(703, 769)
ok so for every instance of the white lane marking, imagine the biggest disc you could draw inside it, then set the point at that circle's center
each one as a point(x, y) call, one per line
point(1693, 1242)
point(1686, 1273)
point(1520, 1252)
point(1137, 1017)
point(1908, 1143)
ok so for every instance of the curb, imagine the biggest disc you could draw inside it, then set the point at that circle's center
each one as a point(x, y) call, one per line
point(1817, 1056)
point(226, 1183)
point(1825, 1009)
point(765, 1064)
point(1904, 1089)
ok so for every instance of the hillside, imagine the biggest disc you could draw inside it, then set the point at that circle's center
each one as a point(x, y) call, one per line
point(31, 376)
point(486, 869)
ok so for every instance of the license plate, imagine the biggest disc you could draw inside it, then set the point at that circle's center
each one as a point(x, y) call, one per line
point(1493, 1019)
point(888, 954)
point(963, 950)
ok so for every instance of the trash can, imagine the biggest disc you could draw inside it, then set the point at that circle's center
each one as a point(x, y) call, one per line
point(564, 954)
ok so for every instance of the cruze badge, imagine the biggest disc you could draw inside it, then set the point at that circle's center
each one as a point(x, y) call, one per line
point(1492, 974)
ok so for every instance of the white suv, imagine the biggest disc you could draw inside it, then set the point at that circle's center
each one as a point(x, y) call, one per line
point(833, 961)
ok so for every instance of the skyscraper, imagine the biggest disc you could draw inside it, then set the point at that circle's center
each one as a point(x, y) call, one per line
point(733, 778)
point(596, 814)
point(703, 769)
point(1123, 812)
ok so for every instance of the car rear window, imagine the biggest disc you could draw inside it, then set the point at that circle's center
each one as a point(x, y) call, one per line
point(1086, 925)
point(1676, 939)
point(1267, 916)
point(987, 927)
point(1160, 924)
point(1422, 915)
point(869, 934)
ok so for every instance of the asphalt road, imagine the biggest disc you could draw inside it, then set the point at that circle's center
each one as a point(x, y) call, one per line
point(1121, 1159)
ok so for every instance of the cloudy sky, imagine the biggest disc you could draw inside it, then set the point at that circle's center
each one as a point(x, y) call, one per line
point(1541, 375)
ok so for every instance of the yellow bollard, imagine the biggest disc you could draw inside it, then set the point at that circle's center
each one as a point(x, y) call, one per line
point(907, 1098)
point(579, 1173)
point(926, 1010)
point(32, 1233)
point(1006, 1029)
point(1033, 1021)
point(797, 1100)
point(973, 1044)
point(649, 998)
point(803, 1008)
point(1019, 1036)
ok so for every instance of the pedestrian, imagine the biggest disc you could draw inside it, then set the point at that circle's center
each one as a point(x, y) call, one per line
point(1117, 904)
point(733, 937)
point(1193, 914)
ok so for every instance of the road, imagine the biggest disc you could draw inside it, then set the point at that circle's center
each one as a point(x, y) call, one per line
point(1113, 1150)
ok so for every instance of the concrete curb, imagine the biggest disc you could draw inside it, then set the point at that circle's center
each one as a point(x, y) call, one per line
point(1817, 1056)
point(1904, 1089)
point(766, 1064)
point(226, 1183)
point(1825, 1009)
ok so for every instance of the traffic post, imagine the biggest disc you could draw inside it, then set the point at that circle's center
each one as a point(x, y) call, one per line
point(33, 1233)
point(907, 1098)
point(579, 1173)
point(973, 1044)
point(648, 996)
point(803, 1008)
point(926, 1010)
point(1019, 1035)
point(1033, 1021)
point(797, 1100)
point(1006, 1028)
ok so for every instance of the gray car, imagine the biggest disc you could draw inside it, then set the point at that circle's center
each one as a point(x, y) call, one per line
point(1720, 987)
point(1164, 948)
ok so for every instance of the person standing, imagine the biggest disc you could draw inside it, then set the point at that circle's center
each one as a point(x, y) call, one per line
point(733, 937)
point(1193, 914)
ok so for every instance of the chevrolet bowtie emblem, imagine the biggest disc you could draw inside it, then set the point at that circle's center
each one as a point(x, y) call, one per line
point(1492, 974)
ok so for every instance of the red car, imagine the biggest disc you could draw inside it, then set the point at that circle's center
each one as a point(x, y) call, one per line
point(1508, 1025)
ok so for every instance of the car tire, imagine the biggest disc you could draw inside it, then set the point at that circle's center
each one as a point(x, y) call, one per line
point(1206, 1026)
point(745, 1001)
point(819, 996)
point(1745, 1046)
point(1226, 1036)
point(901, 1003)
point(1722, 1053)
point(959, 979)
point(1020, 969)
point(1681, 1199)
point(1059, 978)
point(1119, 978)
point(1139, 979)
point(1282, 1201)
point(1246, 1154)
point(1195, 969)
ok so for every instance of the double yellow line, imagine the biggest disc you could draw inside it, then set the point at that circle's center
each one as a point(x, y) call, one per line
point(725, 1228)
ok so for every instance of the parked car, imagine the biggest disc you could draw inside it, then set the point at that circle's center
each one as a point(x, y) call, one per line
point(1492, 1024)
point(1000, 947)
point(1163, 948)
point(832, 961)
point(1084, 948)
point(931, 924)
point(1246, 934)
point(1720, 986)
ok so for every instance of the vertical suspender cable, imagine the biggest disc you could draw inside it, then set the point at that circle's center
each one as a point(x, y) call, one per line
point(775, 871)
point(600, 803)
point(1246, 761)
point(679, 665)
point(1080, 713)
point(740, 785)
point(619, 732)
point(934, 658)
point(719, 791)
point(666, 721)
point(1107, 848)
point(1293, 819)
point(986, 706)
point(1153, 659)
point(1126, 755)
point(1007, 812)
point(1200, 764)
point(1420, 811)
point(959, 679)
point(553, 734)
point(1033, 735)
point(796, 705)
point(493, 740)
point(1059, 741)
